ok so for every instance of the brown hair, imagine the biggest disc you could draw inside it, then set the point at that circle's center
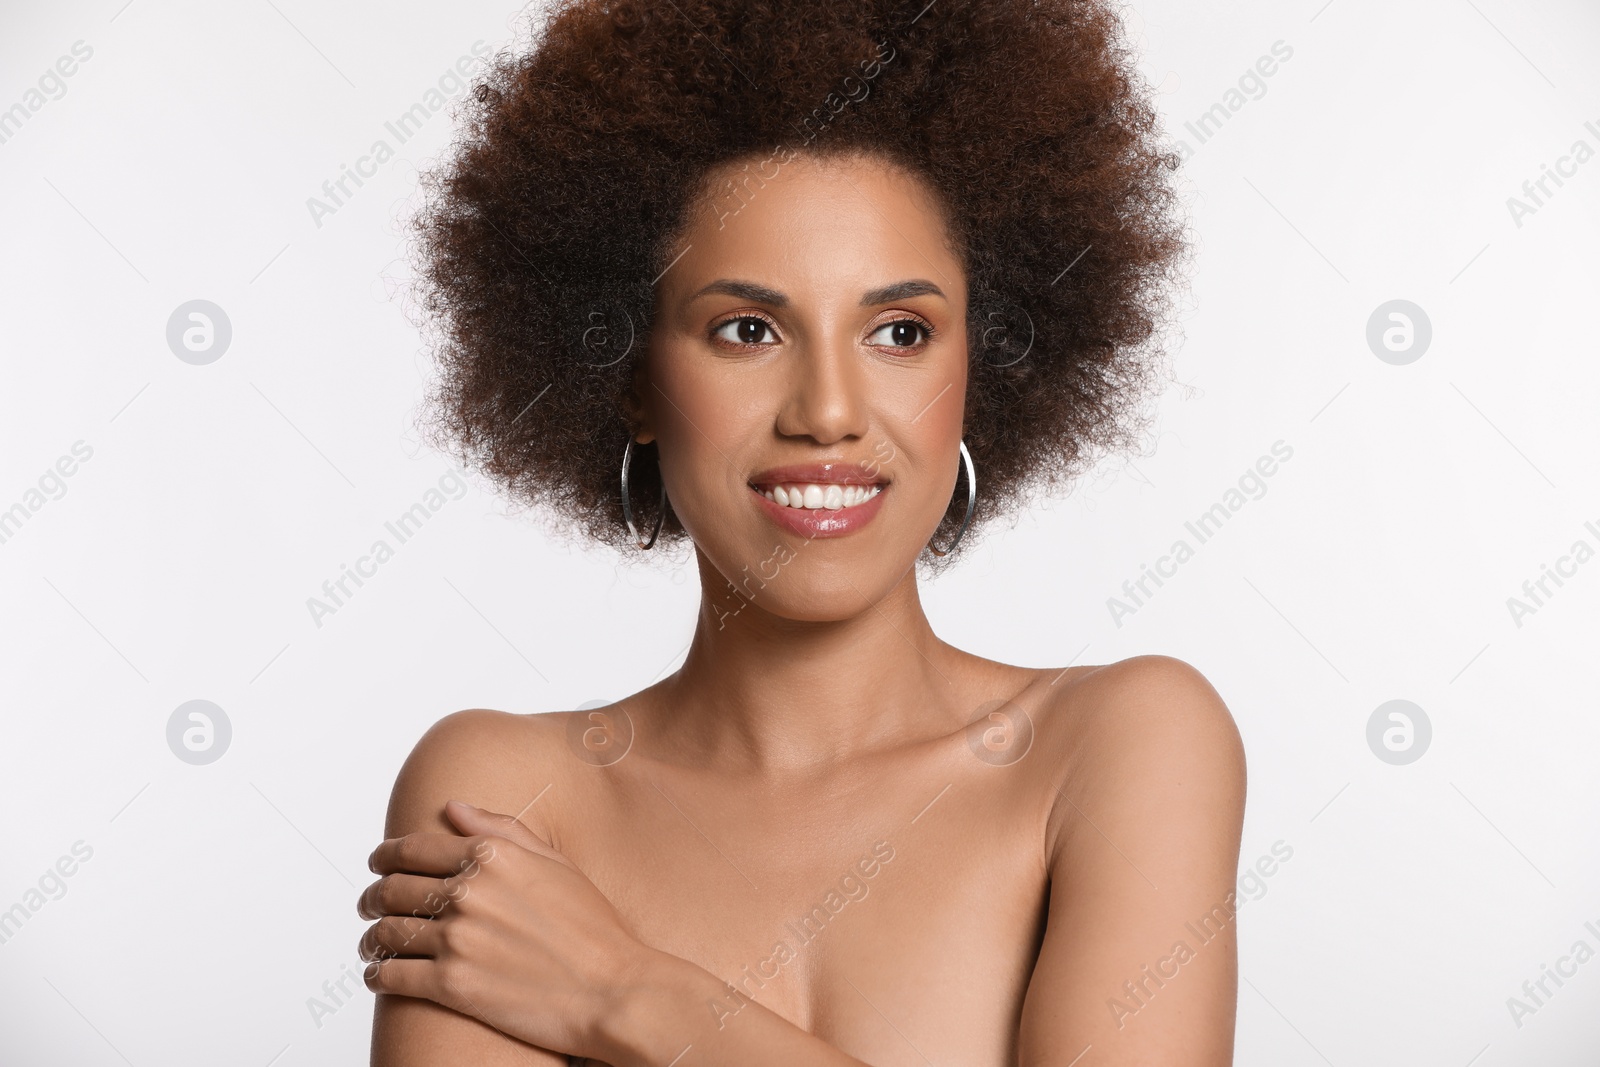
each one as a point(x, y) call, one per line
point(579, 159)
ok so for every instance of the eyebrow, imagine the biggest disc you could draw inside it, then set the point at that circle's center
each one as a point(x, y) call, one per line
point(762, 294)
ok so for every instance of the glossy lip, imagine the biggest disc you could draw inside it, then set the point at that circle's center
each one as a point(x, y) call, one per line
point(838, 473)
point(820, 522)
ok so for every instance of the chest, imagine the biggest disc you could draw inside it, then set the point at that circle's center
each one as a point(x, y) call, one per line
point(887, 920)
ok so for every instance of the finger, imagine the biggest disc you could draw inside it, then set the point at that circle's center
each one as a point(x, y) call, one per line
point(476, 820)
point(420, 978)
point(409, 894)
point(401, 935)
point(427, 852)
point(403, 978)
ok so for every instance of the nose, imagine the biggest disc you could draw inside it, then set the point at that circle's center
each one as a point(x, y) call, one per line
point(825, 395)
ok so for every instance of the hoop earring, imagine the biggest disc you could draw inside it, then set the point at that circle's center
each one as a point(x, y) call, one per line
point(972, 500)
point(627, 508)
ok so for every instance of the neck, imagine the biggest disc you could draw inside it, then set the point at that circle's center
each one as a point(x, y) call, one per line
point(760, 692)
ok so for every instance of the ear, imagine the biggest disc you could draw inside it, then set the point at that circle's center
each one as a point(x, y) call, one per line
point(636, 406)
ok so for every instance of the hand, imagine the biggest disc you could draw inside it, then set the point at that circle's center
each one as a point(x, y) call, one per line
point(500, 926)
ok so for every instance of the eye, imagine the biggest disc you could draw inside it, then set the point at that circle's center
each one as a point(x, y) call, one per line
point(745, 330)
point(901, 333)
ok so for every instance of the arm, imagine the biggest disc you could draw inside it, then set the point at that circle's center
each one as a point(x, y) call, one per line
point(666, 1017)
point(659, 1000)
point(409, 1031)
point(1139, 960)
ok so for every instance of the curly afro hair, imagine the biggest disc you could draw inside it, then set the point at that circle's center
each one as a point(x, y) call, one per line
point(579, 160)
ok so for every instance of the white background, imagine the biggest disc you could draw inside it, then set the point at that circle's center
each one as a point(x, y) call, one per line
point(177, 564)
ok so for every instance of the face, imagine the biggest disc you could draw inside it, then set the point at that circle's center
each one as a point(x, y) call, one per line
point(805, 379)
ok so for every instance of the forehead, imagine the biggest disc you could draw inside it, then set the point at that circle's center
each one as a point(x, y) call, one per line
point(846, 223)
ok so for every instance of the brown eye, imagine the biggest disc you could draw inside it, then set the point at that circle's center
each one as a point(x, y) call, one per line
point(745, 330)
point(902, 333)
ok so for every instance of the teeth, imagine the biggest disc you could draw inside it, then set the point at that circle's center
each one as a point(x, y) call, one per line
point(815, 496)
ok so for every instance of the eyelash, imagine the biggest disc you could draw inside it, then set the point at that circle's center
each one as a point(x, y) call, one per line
point(928, 331)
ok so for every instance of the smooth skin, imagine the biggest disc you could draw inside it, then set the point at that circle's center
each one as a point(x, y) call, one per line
point(830, 837)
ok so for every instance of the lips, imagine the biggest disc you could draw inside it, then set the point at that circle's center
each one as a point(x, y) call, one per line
point(818, 474)
point(819, 499)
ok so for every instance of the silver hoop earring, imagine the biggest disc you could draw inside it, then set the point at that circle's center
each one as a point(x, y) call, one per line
point(972, 500)
point(627, 508)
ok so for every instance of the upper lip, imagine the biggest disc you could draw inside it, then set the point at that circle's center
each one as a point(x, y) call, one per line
point(836, 473)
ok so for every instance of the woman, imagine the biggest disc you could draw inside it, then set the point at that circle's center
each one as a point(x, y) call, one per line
point(817, 290)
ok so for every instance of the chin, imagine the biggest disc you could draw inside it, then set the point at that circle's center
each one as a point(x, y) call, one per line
point(813, 590)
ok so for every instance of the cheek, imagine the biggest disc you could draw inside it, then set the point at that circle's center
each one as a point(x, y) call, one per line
point(702, 429)
point(938, 475)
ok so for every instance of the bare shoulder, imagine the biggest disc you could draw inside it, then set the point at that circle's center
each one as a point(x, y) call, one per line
point(1142, 707)
point(1145, 731)
point(493, 759)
